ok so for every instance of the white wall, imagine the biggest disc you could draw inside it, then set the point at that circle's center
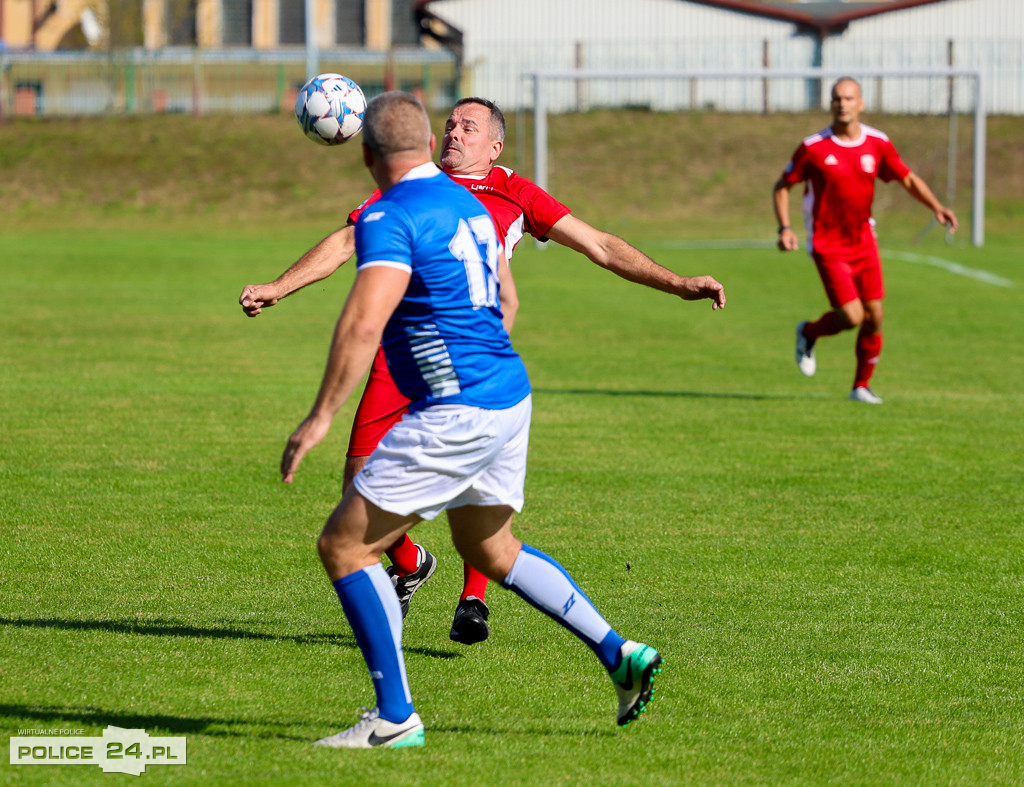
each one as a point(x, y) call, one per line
point(505, 39)
point(986, 34)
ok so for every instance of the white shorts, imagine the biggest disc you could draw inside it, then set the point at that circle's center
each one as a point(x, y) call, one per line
point(449, 456)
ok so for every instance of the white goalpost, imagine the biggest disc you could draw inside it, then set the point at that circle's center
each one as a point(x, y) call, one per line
point(542, 100)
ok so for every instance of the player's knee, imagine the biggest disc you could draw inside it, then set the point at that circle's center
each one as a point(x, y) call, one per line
point(326, 545)
point(851, 315)
point(339, 555)
point(332, 541)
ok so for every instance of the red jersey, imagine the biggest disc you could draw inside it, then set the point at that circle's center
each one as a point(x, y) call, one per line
point(841, 184)
point(517, 205)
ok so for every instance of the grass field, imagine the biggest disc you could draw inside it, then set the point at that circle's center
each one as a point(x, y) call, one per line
point(837, 589)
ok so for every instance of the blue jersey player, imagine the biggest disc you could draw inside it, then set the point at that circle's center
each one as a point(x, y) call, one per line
point(427, 286)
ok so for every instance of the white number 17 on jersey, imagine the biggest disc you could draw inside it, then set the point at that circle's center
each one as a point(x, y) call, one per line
point(476, 245)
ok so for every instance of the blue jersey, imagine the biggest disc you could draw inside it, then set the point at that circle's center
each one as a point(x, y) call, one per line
point(445, 343)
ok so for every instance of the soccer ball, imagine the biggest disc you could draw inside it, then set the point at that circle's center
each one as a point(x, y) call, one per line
point(330, 109)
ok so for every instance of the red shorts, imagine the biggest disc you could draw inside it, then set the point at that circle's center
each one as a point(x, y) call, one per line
point(852, 274)
point(381, 407)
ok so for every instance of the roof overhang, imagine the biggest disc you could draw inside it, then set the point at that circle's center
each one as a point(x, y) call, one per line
point(826, 17)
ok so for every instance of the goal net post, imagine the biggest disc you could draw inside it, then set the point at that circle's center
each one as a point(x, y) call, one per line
point(776, 91)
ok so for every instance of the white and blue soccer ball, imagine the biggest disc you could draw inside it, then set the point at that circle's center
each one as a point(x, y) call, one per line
point(330, 109)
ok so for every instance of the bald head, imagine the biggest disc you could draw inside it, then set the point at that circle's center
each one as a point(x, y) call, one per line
point(396, 125)
point(846, 84)
point(847, 104)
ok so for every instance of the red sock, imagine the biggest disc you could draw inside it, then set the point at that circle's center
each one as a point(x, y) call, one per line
point(475, 583)
point(404, 555)
point(826, 325)
point(869, 347)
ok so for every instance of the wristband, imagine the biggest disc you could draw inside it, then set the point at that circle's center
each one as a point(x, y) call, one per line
point(784, 227)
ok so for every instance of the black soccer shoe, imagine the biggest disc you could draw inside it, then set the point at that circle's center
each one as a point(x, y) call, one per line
point(410, 583)
point(470, 623)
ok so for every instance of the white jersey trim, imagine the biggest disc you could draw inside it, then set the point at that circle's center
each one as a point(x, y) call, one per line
point(402, 266)
point(874, 132)
point(421, 171)
point(513, 236)
point(826, 133)
point(809, 216)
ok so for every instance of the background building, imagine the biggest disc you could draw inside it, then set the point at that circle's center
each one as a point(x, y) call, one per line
point(45, 25)
point(498, 42)
point(491, 47)
point(202, 56)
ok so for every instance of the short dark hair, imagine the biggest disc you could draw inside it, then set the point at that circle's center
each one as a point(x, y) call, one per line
point(395, 122)
point(497, 118)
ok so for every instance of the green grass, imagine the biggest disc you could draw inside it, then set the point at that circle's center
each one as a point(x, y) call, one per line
point(639, 174)
point(837, 589)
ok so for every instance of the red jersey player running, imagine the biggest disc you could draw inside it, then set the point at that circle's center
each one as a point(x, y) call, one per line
point(840, 165)
point(473, 139)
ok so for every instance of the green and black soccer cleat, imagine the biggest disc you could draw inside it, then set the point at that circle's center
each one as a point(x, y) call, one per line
point(634, 679)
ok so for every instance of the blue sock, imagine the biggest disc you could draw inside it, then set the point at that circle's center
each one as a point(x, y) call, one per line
point(373, 611)
point(543, 583)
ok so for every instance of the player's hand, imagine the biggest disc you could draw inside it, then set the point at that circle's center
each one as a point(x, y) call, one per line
point(788, 241)
point(309, 433)
point(255, 297)
point(701, 287)
point(947, 217)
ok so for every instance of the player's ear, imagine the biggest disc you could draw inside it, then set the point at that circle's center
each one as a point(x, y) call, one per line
point(433, 143)
point(367, 156)
point(496, 147)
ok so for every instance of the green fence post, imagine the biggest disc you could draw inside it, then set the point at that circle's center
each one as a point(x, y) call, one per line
point(196, 78)
point(4, 68)
point(280, 86)
point(129, 86)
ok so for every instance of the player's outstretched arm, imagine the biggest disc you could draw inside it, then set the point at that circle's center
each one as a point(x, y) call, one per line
point(614, 254)
point(318, 263)
point(919, 190)
point(375, 294)
point(780, 199)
